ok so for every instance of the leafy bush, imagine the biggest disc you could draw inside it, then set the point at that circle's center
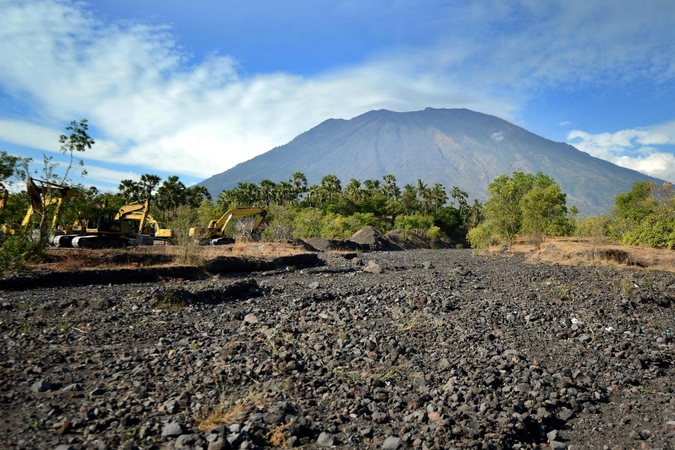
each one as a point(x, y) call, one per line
point(597, 226)
point(416, 223)
point(653, 231)
point(279, 223)
point(479, 237)
point(307, 223)
point(434, 234)
point(17, 251)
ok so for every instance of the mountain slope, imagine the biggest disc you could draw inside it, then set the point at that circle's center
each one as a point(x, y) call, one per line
point(455, 147)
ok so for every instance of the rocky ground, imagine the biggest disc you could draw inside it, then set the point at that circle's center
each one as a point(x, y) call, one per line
point(418, 349)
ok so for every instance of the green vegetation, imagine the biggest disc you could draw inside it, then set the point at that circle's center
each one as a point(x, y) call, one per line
point(522, 204)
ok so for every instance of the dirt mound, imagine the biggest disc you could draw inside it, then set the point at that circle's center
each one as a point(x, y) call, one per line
point(326, 245)
point(373, 239)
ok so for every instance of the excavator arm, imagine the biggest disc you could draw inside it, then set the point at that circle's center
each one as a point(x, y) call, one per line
point(38, 201)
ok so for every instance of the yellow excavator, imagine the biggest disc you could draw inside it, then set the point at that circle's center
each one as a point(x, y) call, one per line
point(214, 234)
point(132, 225)
point(39, 202)
point(139, 211)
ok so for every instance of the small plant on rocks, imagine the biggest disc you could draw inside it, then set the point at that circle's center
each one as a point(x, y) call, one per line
point(229, 410)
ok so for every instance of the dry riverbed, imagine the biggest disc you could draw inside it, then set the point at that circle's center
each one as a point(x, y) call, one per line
point(418, 349)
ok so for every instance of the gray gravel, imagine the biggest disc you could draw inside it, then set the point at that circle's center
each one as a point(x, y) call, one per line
point(416, 349)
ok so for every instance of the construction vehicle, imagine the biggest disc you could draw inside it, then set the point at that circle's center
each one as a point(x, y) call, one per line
point(127, 228)
point(41, 195)
point(139, 211)
point(214, 234)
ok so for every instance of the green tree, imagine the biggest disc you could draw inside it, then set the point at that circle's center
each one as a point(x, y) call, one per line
point(543, 211)
point(267, 188)
point(54, 189)
point(637, 203)
point(76, 141)
point(170, 196)
point(354, 191)
point(504, 210)
point(299, 184)
point(438, 196)
point(130, 190)
point(196, 195)
point(12, 168)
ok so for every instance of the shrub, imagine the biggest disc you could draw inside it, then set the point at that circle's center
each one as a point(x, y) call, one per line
point(596, 226)
point(307, 223)
point(279, 223)
point(479, 237)
point(17, 251)
point(653, 231)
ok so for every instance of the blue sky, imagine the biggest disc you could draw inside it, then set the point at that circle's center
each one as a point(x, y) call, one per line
point(193, 88)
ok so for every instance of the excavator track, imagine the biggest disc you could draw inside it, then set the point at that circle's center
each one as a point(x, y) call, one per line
point(101, 241)
point(64, 240)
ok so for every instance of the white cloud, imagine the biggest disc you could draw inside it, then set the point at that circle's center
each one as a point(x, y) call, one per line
point(498, 136)
point(155, 108)
point(634, 148)
point(108, 179)
point(564, 123)
point(29, 135)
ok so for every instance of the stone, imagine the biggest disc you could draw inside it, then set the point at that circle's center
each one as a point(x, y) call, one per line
point(391, 443)
point(373, 267)
point(172, 429)
point(325, 439)
point(250, 319)
point(41, 386)
point(428, 265)
point(97, 392)
point(217, 445)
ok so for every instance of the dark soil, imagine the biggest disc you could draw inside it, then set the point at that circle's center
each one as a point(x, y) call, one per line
point(416, 349)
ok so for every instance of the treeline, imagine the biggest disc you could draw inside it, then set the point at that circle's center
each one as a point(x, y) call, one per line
point(535, 207)
point(645, 215)
point(329, 210)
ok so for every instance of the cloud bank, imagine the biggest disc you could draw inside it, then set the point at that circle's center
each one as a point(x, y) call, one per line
point(648, 150)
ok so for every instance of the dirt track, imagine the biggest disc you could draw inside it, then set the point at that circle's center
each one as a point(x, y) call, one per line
point(421, 349)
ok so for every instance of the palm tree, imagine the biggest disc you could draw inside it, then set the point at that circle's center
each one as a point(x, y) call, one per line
point(299, 182)
point(170, 195)
point(390, 189)
point(196, 194)
point(130, 190)
point(149, 182)
point(438, 196)
point(266, 190)
point(331, 185)
point(285, 193)
point(409, 200)
point(248, 194)
point(353, 191)
point(372, 187)
point(458, 195)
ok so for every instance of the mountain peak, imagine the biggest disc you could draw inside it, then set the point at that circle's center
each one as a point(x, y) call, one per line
point(454, 147)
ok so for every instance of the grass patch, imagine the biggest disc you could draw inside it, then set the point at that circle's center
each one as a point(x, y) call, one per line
point(229, 411)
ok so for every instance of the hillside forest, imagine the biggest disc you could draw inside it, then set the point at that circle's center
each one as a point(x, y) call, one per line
point(519, 204)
